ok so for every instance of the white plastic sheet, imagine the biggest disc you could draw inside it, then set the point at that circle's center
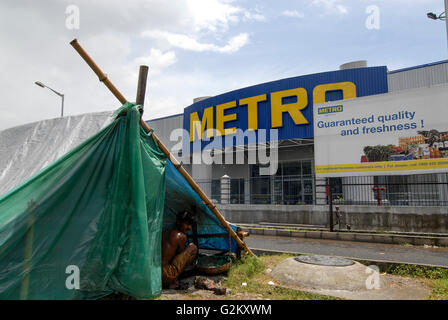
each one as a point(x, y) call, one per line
point(26, 149)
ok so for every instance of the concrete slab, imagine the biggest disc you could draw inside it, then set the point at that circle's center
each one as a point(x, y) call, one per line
point(397, 288)
point(256, 231)
point(298, 234)
point(356, 281)
point(443, 242)
point(329, 235)
point(424, 241)
point(270, 232)
point(403, 240)
point(346, 236)
point(364, 237)
point(312, 276)
point(314, 234)
point(283, 233)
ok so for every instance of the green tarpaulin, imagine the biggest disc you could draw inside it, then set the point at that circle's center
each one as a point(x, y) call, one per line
point(96, 215)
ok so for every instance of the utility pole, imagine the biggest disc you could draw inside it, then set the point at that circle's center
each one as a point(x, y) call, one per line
point(443, 16)
point(446, 21)
point(40, 84)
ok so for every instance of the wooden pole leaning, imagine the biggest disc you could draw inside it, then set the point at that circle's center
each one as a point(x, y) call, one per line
point(103, 78)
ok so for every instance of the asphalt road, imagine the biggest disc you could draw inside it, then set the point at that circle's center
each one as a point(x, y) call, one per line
point(354, 250)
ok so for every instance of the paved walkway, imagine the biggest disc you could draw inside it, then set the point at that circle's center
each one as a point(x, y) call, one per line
point(354, 250)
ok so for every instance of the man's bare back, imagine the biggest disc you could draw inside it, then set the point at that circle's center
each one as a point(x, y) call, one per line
point(173, 243)
point(175, 256)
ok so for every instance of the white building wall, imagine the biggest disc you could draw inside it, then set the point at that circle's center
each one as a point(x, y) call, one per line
point(202, 174)
point(357, 189)
point(418, 77)
point(163, 127)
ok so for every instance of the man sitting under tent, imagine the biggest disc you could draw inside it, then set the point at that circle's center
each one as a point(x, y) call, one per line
point(175, 256)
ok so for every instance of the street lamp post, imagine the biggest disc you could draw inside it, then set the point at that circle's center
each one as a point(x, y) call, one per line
point(442, 16)
point(40, 84)
point(446, 19)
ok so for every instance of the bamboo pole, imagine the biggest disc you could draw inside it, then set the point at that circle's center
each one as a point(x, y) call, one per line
point(103, 78)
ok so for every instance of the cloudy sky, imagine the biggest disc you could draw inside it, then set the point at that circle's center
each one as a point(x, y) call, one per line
point(195, 47)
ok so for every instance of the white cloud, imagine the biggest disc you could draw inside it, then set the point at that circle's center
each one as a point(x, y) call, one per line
point(212, 15)
point(331, 6)
point(293, 14)
point(256, 16)
point(157, 60)
point(342, 9)
point(185, 42)
point(235, 43)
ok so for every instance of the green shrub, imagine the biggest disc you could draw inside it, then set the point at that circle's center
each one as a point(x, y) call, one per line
point(247, 267)
point(406, 270)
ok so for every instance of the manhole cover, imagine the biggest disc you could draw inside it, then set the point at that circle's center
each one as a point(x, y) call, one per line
point(325, 261)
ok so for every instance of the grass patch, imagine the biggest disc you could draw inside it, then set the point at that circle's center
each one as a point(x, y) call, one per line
point(252, 270)
point(408, 270)
point(245, 269)
point(435, 278)
point(439, 289)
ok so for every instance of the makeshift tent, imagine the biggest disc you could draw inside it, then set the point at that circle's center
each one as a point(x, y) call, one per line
point(99, 209)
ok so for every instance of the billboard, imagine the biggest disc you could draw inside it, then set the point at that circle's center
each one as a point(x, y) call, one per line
point(285, 105)
point(389, 134)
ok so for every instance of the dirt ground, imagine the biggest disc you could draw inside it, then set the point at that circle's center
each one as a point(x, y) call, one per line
point(191, 293)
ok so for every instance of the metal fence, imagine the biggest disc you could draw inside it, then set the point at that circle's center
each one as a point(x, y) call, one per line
point(289, 190)
point(410, 190)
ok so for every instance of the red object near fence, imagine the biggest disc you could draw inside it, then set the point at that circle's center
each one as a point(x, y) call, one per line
point(378, 190)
